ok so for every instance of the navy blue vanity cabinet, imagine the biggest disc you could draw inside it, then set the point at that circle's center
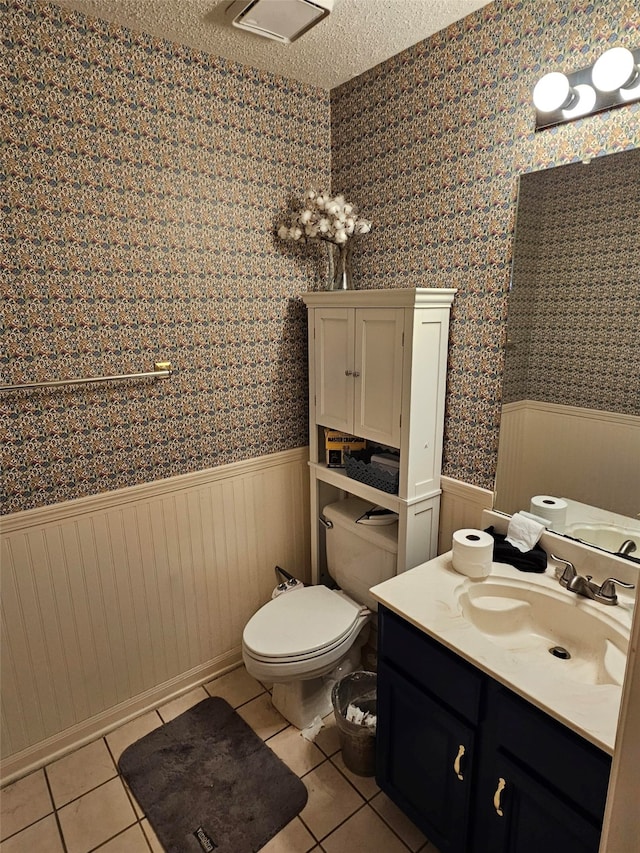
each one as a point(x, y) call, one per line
point(519, 813)
point(476, 767)
point(540, 786)
point(428, 702)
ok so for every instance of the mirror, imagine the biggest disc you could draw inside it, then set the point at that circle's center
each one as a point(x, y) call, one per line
point(570, 423)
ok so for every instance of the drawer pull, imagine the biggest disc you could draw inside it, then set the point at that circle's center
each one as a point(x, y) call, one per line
point(498, 795)
point(456, 763)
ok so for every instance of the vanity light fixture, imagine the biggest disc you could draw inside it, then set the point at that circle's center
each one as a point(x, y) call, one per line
point(612, 81)
point(616, 69)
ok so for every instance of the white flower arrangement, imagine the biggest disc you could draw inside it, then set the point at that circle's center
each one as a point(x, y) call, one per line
point(322, 217)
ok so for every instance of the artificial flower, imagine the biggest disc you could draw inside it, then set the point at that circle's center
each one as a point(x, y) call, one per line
point(322, 217)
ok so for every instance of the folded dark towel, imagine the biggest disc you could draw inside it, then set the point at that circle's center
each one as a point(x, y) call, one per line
point(526, 561)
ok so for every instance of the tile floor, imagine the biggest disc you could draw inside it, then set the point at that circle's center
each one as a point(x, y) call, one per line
point(80, 803)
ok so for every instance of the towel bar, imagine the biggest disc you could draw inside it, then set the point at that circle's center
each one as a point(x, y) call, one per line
point(161, 370)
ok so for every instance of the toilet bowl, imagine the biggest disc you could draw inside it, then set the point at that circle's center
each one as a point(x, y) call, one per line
point(304, 640)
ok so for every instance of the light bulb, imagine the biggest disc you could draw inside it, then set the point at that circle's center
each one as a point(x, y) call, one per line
point(552, 92)
point(614, 70)
point(584, 102)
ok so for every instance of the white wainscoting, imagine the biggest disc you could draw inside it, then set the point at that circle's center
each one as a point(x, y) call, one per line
point(114, 603)
point(557, 450)
point(461, 506)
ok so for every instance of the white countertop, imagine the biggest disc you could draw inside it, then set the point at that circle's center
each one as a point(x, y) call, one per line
point(427, 597)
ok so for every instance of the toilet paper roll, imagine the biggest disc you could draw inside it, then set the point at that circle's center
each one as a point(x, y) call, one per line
point(553, 509)
point(472, 552)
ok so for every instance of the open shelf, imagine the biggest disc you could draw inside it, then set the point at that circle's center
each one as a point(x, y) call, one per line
point(338, 478)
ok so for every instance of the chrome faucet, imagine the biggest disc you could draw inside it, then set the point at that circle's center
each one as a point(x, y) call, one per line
point(627, 547)
point(605, 592)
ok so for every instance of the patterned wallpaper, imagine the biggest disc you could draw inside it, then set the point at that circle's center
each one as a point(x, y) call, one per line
point(433, 140)
point(143, 183)
point(575, 296)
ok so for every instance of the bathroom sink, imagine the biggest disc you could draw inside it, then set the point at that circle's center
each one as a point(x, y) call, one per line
point(530, 621)
point(607, 536)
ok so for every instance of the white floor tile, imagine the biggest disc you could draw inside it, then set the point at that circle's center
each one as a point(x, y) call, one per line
point(297, 753)
point(136, 805)
point(331, 800)
point(96, 817)
point(236, 687)
point(182, 703)
point(79, 772)
point(366, 785)
point(294, 838)
point(362, 833)
point(24, 802)
point(43, 835)
point(263, 717)
point(119, 739)
point(400, 823)
point(132, 840)
point(328, 738)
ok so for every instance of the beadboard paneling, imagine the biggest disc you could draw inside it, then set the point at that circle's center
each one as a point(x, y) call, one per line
point(461, 506)
point(113, 597)
point(592, 456)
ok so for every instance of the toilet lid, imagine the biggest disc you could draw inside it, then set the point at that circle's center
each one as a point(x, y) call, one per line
point(300, 622)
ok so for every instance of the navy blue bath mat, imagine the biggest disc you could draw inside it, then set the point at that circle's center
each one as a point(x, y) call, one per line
point(206, 781)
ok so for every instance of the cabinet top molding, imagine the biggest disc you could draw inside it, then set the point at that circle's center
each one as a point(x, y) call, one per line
point(410, 297)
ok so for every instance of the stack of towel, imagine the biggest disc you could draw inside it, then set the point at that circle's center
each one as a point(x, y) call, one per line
point(520, 546)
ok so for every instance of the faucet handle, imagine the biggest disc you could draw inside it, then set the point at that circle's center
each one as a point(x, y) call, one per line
point(607, 592)
point(569, 572)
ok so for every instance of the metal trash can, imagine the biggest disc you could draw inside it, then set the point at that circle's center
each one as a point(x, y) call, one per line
point(354, 707)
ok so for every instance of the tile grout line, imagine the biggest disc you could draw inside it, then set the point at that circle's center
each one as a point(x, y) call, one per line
point(63, 841)
point(367, 802)
point(129, 794)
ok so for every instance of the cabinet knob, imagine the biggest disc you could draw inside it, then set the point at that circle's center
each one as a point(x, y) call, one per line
point(456, 763)
point(356, 373)
point(348, 373)
point(498, 796)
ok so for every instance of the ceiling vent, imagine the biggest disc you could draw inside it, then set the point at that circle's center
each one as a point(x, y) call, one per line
point(281, 20)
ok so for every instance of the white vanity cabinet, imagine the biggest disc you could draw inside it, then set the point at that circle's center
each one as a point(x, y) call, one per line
point(377, 370)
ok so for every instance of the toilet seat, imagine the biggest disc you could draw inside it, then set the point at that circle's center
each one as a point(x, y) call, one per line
point(301, 625)
point(301, 634)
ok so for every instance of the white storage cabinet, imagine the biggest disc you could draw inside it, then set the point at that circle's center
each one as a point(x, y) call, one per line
point(377, 369)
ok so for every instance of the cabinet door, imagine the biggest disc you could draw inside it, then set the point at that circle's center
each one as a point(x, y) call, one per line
point(516, 813)
point(334, 366)
point(378, 374)
point(424, 760)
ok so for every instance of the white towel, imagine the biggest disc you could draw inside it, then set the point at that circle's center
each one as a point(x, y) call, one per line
point(523, 533)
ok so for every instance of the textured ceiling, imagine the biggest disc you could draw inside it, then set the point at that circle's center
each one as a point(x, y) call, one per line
point(357, 35)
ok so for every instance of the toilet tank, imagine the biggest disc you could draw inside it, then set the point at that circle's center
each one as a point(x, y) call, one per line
point(359, 555)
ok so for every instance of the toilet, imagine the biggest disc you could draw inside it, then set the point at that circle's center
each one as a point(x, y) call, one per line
point(304, 640)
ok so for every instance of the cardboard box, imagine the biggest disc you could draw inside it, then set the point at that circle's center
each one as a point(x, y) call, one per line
point(336, 443)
